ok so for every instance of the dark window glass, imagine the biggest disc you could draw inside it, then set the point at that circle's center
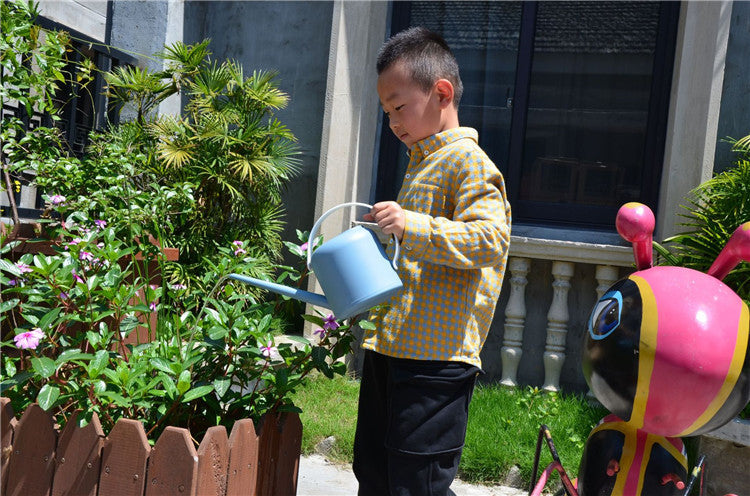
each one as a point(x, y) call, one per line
point(570, 100)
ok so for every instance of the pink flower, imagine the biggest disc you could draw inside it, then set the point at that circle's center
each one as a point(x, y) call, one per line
point(304, 246)
point(101, 224)
point(238, 250)
point(28, 340)
point(57, 200)
point(76, 276)
point(330, 323)
point(152, 306)
point(321, 333)
point(268, 350)
point(84, 255)
point(23, 268)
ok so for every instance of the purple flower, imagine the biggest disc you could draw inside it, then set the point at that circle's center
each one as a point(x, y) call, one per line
point(63, 295)
point(238, 250)
point(28, 340)
point(268, 350)
point(152, 306)
point(12, 282)
point(321, 333)
point(75, 241)
point(304, 246)
point(23, 268)
point(84, 255)
point(178, 287)
point(57, 200)
point(76, 276)
point(330, 323)
point(101, 224)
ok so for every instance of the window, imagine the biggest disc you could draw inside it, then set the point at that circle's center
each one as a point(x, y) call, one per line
point(83, 107)
point(570, 100)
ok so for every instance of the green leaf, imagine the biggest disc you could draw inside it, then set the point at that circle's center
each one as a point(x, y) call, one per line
point(100, 361)
point(314, 319)
point(70, 354)
point(128, 324)
point(366, 325)
point(298, 339)
point(8, 305)
point(162, 365)
point(183, 382)
point(43, 366)
point(197, 393)
point(217, 332)
point(47, 396)
point(7, 266)
point(222, 385)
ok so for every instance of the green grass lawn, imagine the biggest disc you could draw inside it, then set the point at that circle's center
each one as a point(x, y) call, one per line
point(502, 432)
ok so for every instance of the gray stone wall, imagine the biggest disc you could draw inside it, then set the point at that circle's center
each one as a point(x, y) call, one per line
point(293, 39)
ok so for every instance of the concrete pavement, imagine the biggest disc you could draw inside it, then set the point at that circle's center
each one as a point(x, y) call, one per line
point(319, 477)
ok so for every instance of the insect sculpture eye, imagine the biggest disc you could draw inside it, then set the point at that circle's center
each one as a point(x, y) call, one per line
point(606, 315)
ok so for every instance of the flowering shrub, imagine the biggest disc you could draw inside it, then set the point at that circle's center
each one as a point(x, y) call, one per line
point(215, 357)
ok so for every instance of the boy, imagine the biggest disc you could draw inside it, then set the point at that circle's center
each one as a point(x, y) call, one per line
point(453, 220)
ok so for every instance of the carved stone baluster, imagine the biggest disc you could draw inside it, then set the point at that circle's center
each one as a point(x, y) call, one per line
point(606, 276)
point(515, 316)
point(557, 325)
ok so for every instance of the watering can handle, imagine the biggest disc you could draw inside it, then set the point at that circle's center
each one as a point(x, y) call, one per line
point(314, 232)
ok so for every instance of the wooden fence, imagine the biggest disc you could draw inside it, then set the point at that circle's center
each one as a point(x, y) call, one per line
point(38, 459)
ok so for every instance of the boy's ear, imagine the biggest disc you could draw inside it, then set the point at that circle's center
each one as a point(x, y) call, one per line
point(444, 89)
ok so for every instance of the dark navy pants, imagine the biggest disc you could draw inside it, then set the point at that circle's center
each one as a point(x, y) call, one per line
point(411, 425)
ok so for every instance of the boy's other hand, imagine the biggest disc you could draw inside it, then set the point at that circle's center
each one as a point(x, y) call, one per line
point(389, 216)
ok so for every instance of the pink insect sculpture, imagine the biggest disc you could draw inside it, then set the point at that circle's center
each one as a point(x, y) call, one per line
point(666, 352)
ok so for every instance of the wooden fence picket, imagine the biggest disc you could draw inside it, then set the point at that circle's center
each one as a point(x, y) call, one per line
point(279, 433)
point(39, 461)
point(173, 466)
point(78, 458)
point(243, 459)
point(124, 458)
point(32, 462)
point(7, 421)
point(213, 462)
point(287, 461)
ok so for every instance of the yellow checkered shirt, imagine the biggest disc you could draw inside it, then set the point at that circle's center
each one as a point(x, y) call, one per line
point(453, 253)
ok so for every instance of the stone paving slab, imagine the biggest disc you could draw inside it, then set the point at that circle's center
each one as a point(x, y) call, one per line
point(319, 477)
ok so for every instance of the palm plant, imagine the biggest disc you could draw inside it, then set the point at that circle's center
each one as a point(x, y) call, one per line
point(714, 210)
point(227, 143)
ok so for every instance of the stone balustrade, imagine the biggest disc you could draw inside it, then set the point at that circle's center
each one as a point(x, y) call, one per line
point(564, 256)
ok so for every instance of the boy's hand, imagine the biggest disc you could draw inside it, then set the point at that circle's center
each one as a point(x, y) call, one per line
point(389, 216)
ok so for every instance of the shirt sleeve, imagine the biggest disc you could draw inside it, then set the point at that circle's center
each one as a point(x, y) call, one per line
point(477, 234)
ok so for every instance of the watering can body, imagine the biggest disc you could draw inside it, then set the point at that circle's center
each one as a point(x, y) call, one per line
point(352, 268)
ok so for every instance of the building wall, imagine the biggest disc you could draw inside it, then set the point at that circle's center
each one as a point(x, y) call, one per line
point(293, 39)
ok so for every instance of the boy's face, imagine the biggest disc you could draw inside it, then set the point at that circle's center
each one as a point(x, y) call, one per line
point(413, 113)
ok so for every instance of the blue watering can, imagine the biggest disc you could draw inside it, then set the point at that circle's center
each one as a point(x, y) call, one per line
point(353, 270)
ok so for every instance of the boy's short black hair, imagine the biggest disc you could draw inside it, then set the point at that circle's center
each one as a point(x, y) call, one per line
point(427, 56)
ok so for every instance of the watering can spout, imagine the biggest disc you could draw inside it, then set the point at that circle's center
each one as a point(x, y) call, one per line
point(298, 294)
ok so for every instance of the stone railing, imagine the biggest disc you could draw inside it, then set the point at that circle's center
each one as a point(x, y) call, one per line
point(564, 256)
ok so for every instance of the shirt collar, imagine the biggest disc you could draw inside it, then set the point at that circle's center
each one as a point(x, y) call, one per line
point(437, 141)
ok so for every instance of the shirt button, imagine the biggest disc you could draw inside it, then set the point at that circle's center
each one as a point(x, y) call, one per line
point(407, 176)
point(408, 247)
